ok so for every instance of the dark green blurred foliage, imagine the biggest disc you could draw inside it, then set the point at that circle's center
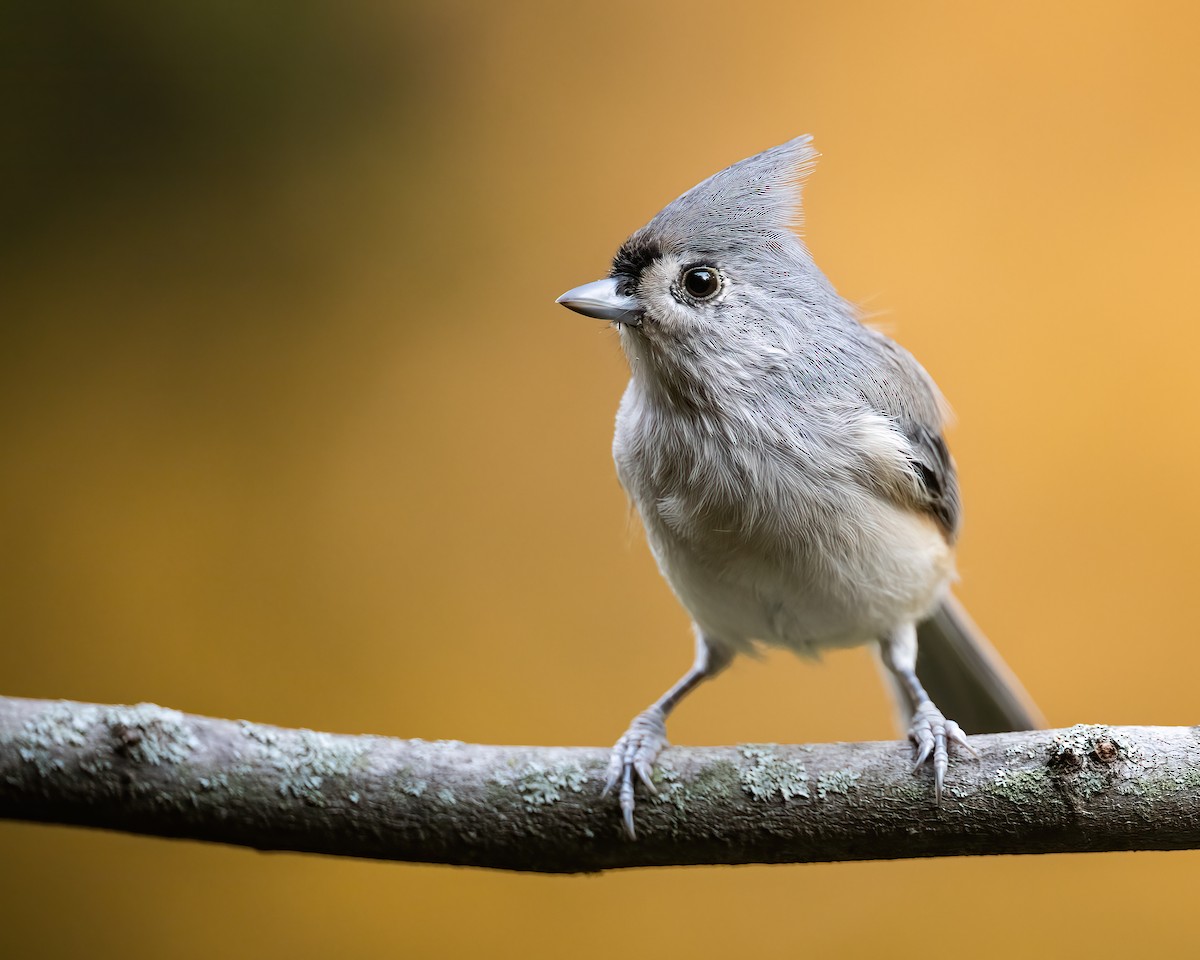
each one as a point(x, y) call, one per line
point(106, 98)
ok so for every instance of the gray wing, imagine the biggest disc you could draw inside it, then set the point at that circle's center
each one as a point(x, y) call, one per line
point(935, 469)
point(895, 385)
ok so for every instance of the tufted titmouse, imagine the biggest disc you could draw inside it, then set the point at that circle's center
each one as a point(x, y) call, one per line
point(787, 463)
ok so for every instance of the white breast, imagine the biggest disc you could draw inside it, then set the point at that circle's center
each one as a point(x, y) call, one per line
point(858, 578)
point(790, 549)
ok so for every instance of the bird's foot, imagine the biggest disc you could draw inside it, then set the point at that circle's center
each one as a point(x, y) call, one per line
point(932, 736)
point(636, 752)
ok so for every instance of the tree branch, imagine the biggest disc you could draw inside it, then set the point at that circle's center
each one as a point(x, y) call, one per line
point(145, 769)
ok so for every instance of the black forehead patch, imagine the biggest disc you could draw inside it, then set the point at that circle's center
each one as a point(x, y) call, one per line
point(635, 255)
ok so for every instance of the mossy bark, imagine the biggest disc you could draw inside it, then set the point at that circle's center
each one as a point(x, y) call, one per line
point(148, 770)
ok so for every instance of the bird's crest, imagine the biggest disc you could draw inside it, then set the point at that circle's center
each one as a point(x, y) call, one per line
point(755, 200)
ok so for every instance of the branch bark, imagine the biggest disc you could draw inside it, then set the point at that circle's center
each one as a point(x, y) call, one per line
point(149, 770)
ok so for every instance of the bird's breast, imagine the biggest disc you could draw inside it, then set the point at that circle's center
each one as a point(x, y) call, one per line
point(777, 540)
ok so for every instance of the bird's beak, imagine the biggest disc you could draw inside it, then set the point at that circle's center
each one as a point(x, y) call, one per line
point(602, 300)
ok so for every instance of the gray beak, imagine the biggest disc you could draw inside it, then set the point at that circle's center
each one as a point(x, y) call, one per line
point(601, 299)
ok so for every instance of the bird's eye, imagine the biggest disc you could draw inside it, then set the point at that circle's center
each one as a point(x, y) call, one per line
point(701, 283)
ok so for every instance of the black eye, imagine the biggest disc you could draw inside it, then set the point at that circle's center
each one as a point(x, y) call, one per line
point(701, 283)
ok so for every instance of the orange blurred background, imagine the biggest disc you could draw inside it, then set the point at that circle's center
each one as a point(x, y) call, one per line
point(294, 431)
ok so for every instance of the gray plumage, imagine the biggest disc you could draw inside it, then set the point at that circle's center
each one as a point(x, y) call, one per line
point(786, 460)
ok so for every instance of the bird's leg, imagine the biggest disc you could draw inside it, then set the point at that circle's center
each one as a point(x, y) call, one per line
point(637, 750)
point(930, 731)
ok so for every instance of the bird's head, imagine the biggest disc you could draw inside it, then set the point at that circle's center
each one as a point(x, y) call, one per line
point(719, 265)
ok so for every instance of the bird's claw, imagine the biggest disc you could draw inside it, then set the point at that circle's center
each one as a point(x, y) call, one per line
point(634, 753)
point(932, 734)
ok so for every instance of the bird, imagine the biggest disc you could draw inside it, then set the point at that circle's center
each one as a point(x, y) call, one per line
point(788, 464)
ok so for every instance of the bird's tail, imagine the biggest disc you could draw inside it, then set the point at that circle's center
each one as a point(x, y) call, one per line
point(965, 677)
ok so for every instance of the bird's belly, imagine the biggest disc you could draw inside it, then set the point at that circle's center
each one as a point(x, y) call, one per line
point(852, 576)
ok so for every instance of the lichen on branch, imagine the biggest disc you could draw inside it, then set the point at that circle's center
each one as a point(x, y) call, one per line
point(150, 770)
